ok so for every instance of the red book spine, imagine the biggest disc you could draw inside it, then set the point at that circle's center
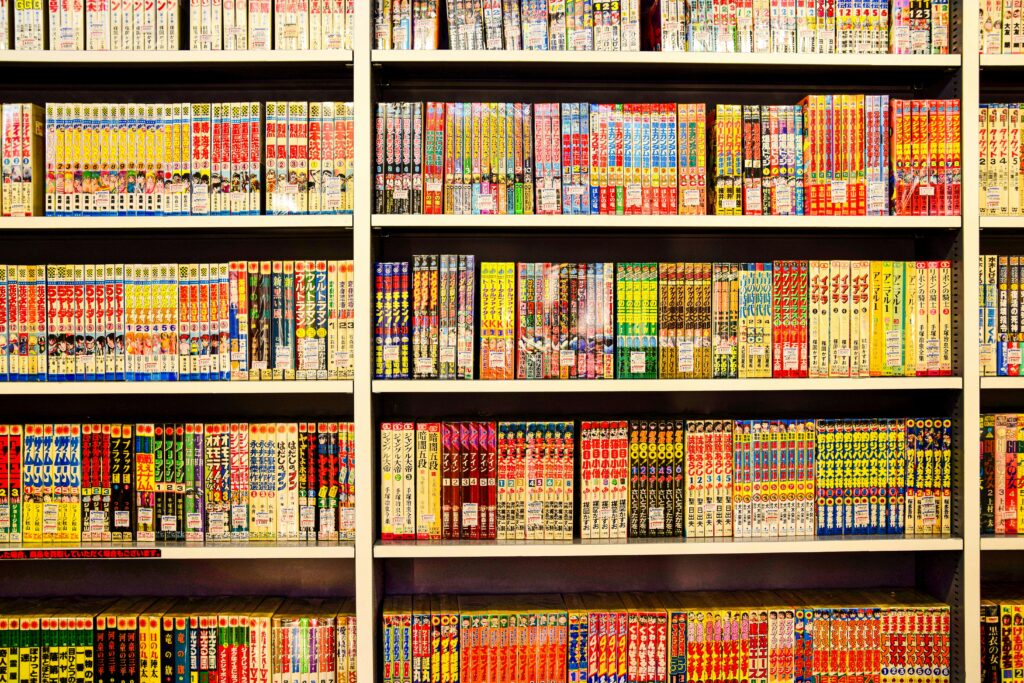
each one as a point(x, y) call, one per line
point(491, 489)
point(470, 474)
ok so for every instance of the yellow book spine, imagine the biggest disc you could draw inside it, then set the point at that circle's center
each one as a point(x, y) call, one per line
point(910, 284)
point(877, 319)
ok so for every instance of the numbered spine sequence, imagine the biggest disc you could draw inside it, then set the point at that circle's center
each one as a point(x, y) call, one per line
point(830, 155)
point(139, 26)
point(255, 320)
point(795, 635)
point(177, 159)
point(753, 26)
point(782, 319)
point(167, 482)
point(707, 478)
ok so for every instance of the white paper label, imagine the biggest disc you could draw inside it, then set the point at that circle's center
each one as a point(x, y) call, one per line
point(97, 521)
point(1013, 356)
point(327, 521)
point(604, 512)
point(784, 199)
point(448, 355)
point(401, 195)
point(145, 516)
point(843, 352)
point(466, 359)
point(122, 519)
point(876, 197)
point(392, 354)
point(637, 361)
point(790, 358)
point(470, 514)
point(496, 359)
point(194, 521)
point(424, 366)
point(427, 518)
point(756, 350)
point(929, 510)
point(729, 204)
point(307, 517)
point(685, 356)
point(656, 518)
point(839, 192)
point(893, 348)
point(634, 194)
point(239, 515)
point(348, 519)
point(434, 186)
point(287, 517)
point(926, 190)
point(5, 515)
point(486, 203)
point(283, 358)
point(992, 197)
point(691, 197)
point(724, 349)
point(261, 519)
point(567, 358)
point(860, 514)
point(168, 523)
point(534, 513)
point(752, 196)
point(218, 523)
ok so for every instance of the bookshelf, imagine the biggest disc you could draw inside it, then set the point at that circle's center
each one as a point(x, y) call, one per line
point(949, 567)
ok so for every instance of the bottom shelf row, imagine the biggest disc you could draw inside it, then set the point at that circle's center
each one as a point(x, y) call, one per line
point(169, 639)
point(897, 634)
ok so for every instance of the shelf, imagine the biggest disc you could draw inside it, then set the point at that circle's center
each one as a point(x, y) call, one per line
point(275, 222)
point(1002, 542)
point(1002, 61)
point(671, 222)
point(641, 547)
point(1001, 222)
point(748, 60)
point(114, 388)
point(1002, 383)
point(529, 386)
point(186, 551)
point(121, 58)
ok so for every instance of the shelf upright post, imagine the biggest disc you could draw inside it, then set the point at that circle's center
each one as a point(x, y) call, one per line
point(362, 400)
point(970, 525)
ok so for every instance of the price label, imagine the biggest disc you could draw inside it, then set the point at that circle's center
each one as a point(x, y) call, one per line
point(860, 514)
point(486, 203)
point(685, 356)
point(218, 523)
point(470, 514)
point(637, 361)
point(634, 194)
point(5, 515)
point(194, 521)
point(1013, 356)
point(838, 192)
point(307, 517)
point(790, 358)
point(348, 519)
point(567, 358)
point(401, 195)
point(424, 366)
point(392, 354)
point(168, 523)
point(926, 190)
point(534, 514)
point(448, 355)
point(756, 350)
point(261, 519)
point(656, 518)
point(691, 197)
point(876, 197)
point(122, 519)
point(929, 510)
point(145, 516)
point(784, 199)
point(239, 515)
point(496, 359)
point(283, 357)
point(752, 196)
point(434, 186)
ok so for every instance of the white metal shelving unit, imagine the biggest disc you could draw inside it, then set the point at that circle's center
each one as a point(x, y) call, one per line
point(367, 554)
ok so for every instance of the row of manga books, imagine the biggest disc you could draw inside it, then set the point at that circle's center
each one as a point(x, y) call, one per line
point(246, 640)
point(1000, 140)
point(1002, 489)
point(849, 155)
point(255, 320)
point(177, 159)
point(665, 478)
point(1002, 330)
point(764, 635)
point(1002, 31)
point(195, 482)
point(664, 320)
point(763, 26)
point(211, 25)
point(1002, 631)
